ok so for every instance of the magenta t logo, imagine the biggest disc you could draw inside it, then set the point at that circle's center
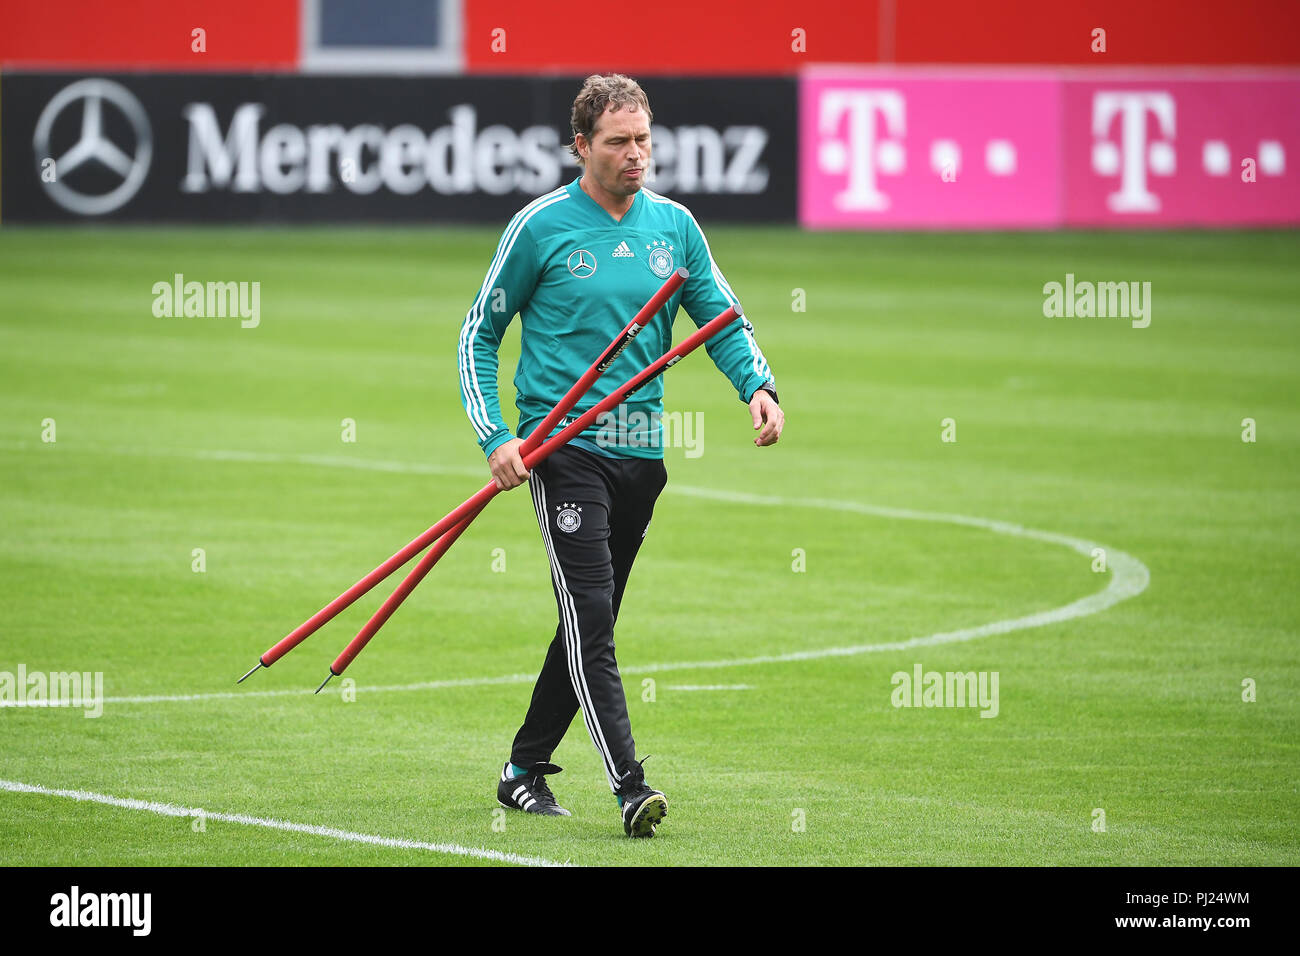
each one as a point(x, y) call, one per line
point(1134, 156)
point(860, 154)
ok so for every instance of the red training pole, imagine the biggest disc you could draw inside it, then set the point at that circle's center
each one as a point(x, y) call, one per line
point(417, 574)
point(602, 364)
point(473, 505)
point(402, 591)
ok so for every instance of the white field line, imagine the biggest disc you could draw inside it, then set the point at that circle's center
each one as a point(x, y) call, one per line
point(1129, 577)
point(708, 687)
point(297, 692)
point(258, 457)
point(333, 833)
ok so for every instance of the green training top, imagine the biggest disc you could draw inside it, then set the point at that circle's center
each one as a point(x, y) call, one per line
point(576, 277)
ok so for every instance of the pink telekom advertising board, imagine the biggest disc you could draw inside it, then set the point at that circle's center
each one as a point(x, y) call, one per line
point(951, 148)
point(1041, 149)
point(1157, 151)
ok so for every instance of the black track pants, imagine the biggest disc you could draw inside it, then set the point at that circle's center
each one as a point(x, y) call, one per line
point(593, 513)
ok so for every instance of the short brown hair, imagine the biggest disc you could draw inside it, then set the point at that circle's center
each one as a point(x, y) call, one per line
point(601, 92)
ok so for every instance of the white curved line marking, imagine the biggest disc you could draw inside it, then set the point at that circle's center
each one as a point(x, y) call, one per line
point(1129, 577)
point(333, 833)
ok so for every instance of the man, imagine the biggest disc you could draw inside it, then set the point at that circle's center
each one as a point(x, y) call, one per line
point(576, 264)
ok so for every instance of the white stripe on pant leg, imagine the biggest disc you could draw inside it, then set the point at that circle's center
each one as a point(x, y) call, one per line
point(581, 688)
point(567, 622)
point(569, 619)
point(573, 643)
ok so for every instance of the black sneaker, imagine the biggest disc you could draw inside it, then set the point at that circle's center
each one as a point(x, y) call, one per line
point(530, 792)
point(643, 807)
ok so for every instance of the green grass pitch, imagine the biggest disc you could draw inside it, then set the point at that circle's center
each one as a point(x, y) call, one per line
point(175, 434)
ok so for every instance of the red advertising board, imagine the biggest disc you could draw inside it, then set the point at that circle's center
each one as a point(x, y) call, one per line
point(759, 36)
point(1132, 32)
point(150, 34)
point(676, 37)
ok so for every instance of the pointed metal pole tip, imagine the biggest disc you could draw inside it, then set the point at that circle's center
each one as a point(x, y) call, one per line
point(324, 682)
point(256, 667)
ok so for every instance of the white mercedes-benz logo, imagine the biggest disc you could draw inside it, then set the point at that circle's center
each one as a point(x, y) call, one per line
point(95, 145)
point(582, 263)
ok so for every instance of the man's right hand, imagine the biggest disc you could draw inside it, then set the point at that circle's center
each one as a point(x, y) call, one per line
point(507, 466)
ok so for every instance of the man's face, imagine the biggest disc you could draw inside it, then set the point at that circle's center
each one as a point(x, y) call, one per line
point(618, 153)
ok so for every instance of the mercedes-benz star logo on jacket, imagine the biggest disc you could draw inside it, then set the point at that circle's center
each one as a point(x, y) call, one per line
point(582, 263)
